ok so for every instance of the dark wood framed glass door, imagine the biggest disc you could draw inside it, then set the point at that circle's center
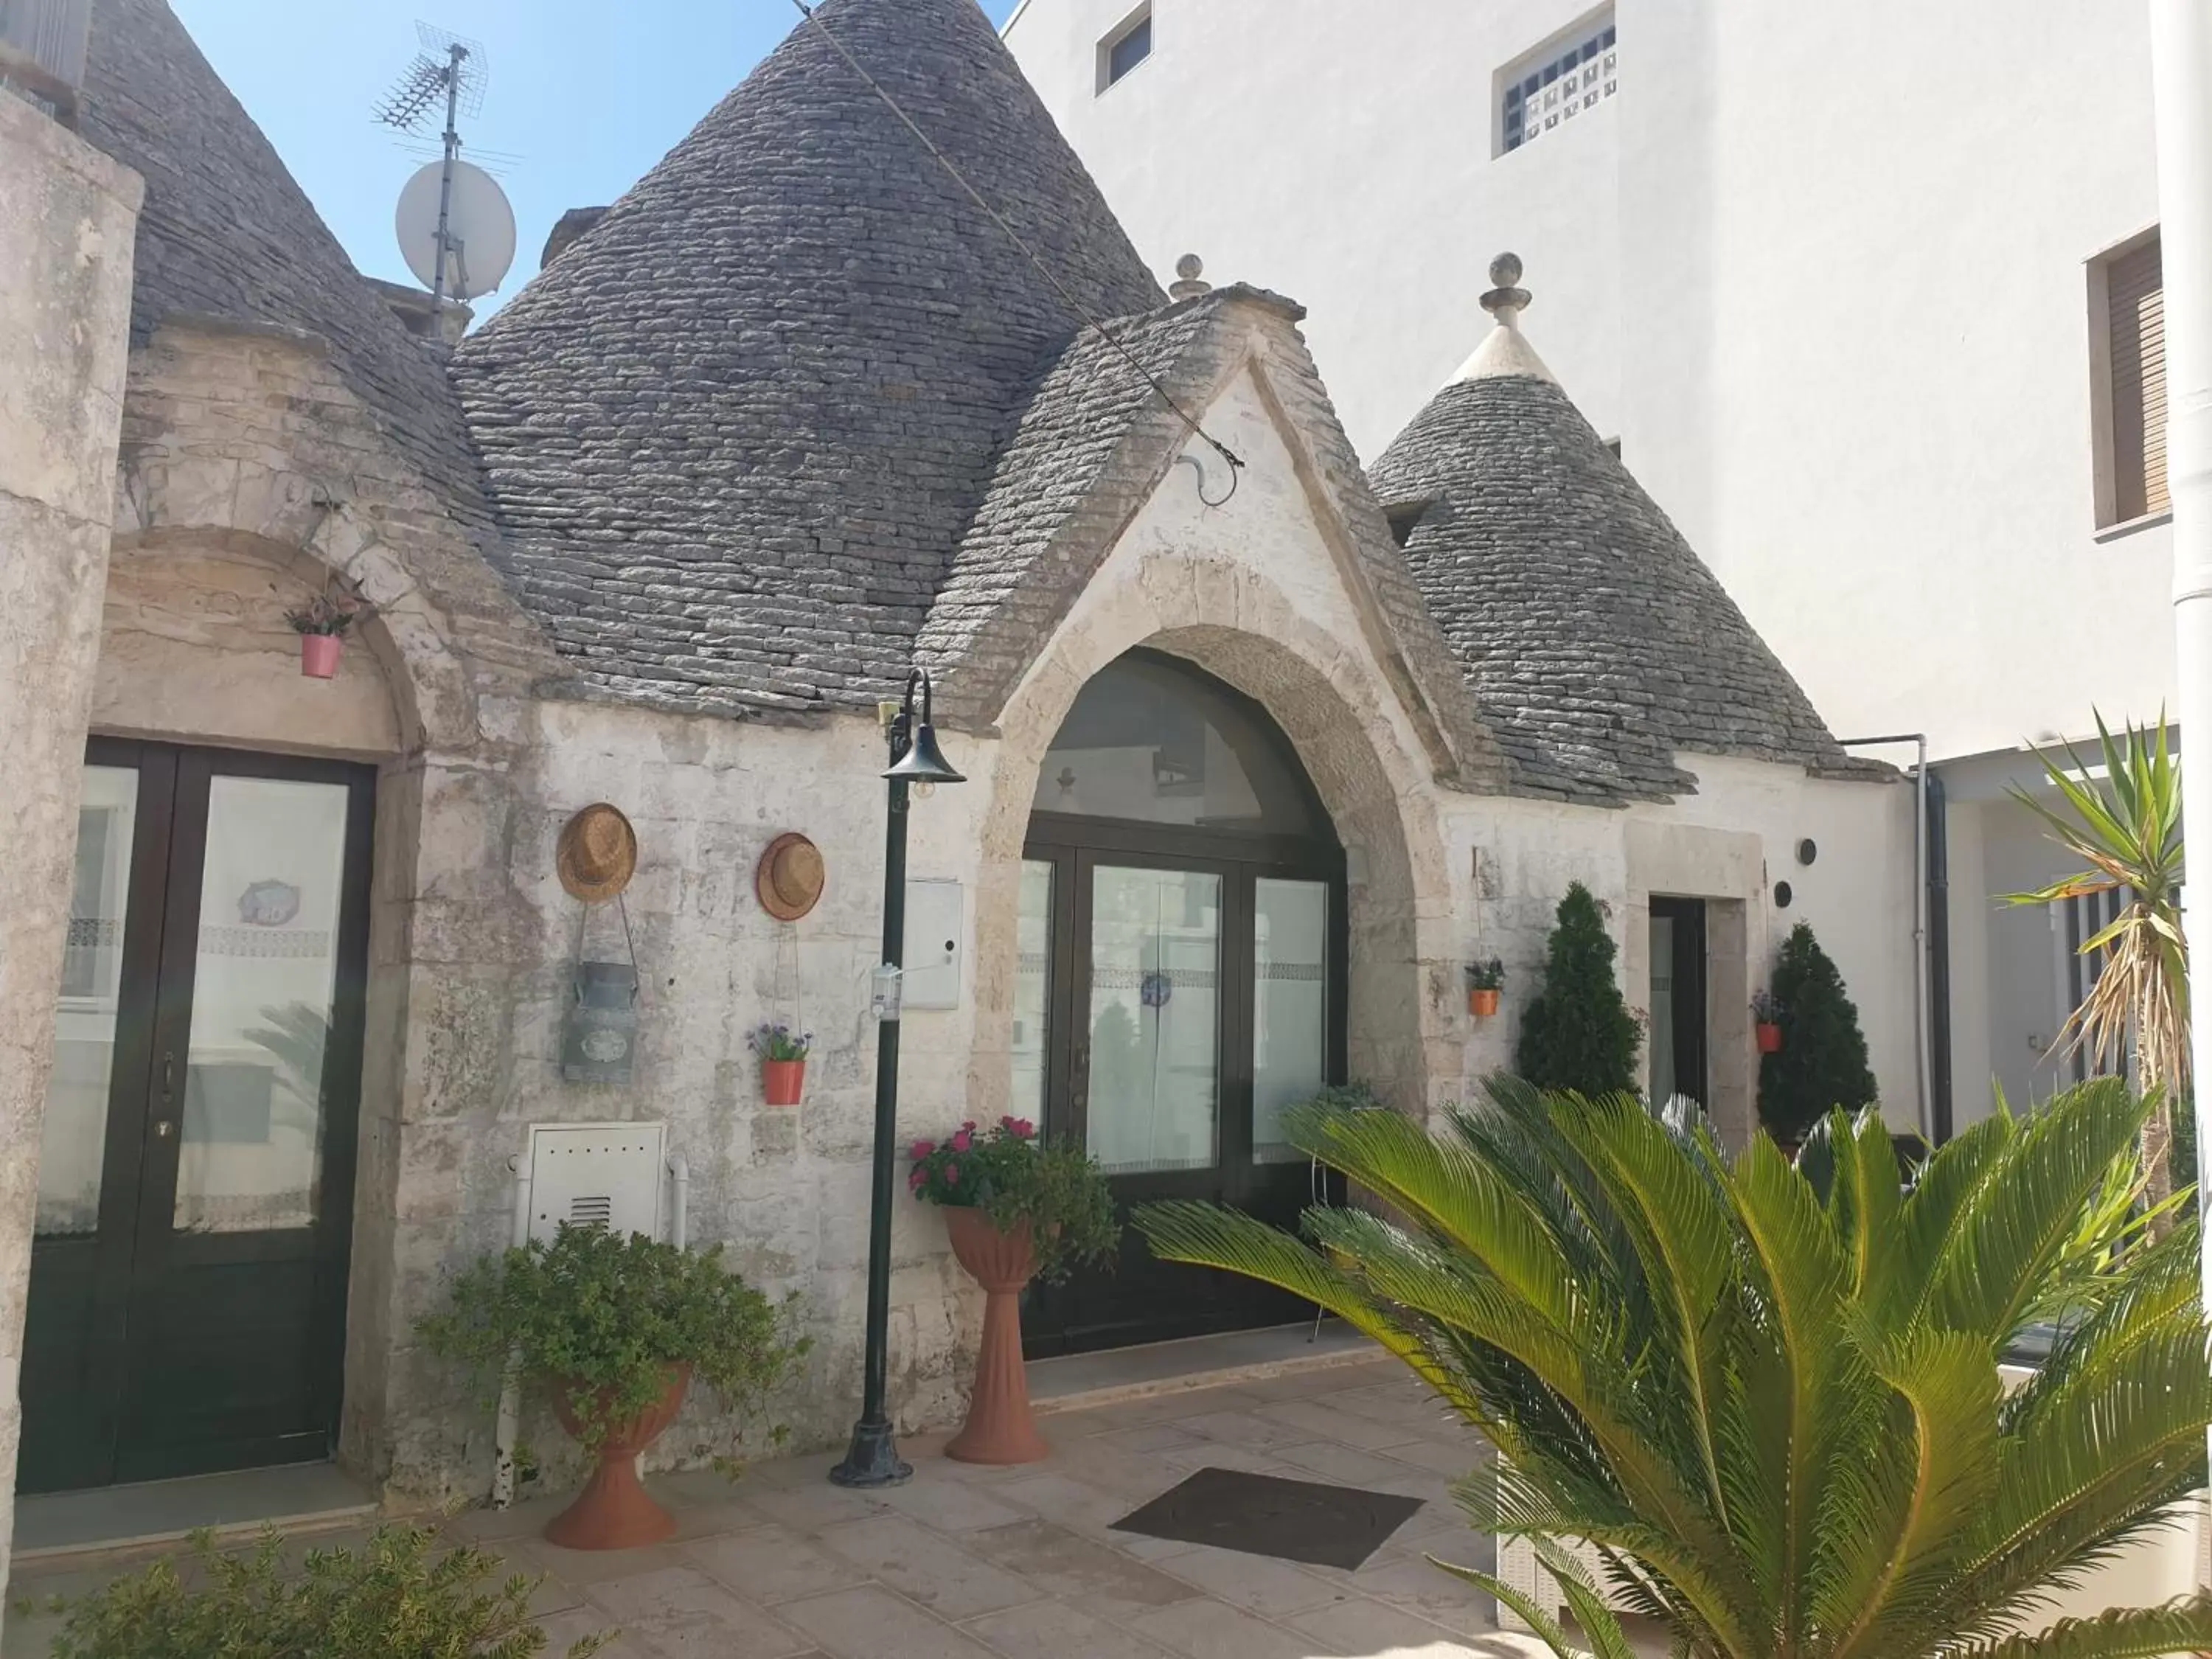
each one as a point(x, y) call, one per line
point(1194, 981)
point(188, 1296)
point(1677, 958)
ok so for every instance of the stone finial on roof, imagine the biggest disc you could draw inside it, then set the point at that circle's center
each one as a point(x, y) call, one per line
point(1188, 284)
point(1505, 352)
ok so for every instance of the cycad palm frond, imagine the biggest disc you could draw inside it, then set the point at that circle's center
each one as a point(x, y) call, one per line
point(1773, 1406)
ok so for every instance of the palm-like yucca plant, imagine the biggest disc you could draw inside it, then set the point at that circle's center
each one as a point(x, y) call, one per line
point(2127, 829)
point(1770, 1404)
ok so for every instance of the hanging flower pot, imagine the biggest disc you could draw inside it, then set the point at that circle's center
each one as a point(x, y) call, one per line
point(1766, 1012)
point(321, 624)
point(1484, 980)
point(783, 1062)
point(318, 655)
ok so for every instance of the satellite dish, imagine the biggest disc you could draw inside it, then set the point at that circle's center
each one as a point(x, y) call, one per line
point(479, 229)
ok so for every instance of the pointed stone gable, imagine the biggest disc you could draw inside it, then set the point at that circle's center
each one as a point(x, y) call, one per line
point(733, 436)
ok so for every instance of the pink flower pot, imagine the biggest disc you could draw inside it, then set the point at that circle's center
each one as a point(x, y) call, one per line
point(318, 655)
point(1000, 1428)
point(1769, 1037)
point(782, 1081)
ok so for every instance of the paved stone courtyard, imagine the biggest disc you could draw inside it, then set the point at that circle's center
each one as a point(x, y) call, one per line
point(968, 1563)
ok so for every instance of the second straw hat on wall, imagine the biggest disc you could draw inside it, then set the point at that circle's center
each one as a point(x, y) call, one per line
point(790, 876)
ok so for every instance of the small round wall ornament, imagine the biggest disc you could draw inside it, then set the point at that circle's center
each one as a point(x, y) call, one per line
point(1155, 990)
point(790, 876)
point(596, 853)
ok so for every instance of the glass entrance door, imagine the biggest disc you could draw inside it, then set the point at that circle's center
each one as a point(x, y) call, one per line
point(1198, 998)
point(187, 1306)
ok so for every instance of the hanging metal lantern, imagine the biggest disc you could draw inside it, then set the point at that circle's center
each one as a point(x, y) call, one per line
point(598, 1036)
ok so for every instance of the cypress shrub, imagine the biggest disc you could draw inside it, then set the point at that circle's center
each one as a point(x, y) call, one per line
point(1577, 1033)
point(1823, 1061)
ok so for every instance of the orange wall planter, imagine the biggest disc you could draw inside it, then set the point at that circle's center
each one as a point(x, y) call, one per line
point(1769, 1037)
point(1482, 1004)
point(782, 1081)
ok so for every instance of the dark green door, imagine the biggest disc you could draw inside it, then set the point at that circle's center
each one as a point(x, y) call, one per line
point(187, 1299)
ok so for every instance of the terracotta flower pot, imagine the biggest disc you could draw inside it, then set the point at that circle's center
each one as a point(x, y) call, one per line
point(614, 1511)
point(782, 1081)
point(318, 655)
point(1482, 1004)
point(1000, 1428)
point(1769, 1037)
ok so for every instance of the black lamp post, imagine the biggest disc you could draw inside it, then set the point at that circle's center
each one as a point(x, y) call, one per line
point(872, 1459)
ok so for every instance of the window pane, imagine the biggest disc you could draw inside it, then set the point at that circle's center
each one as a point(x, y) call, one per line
point(73, 1141)
point(1151, 740)
point(1289, 1013)
point(1661, 1038)
point(1154, 1018)
point(1032, 988)
point(262, 994)
point(1131, 50)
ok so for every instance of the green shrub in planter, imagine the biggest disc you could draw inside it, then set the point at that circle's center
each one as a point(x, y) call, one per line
point(397, 1596)
point(603, 1317)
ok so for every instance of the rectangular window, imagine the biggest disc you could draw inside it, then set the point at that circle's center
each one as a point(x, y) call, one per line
point(1127, 46)
point(2127, 320)
point(1573, 73)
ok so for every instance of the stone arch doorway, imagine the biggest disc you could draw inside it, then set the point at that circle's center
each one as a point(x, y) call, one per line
point(1181, 978)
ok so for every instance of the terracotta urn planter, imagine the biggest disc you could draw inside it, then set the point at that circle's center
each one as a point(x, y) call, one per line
point(1000, 1428)
point(318, 655)
point(1769, 1037)
point(614, 1511)
point(1482, 1004)
point(782, 1081)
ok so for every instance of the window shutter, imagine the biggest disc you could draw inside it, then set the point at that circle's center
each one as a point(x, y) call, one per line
point(2137, 288)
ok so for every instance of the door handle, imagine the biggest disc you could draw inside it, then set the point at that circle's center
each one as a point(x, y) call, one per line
point(164, 1124)
point(163, 1128)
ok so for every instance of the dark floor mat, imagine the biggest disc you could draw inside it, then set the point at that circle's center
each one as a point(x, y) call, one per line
point(1265, 1514)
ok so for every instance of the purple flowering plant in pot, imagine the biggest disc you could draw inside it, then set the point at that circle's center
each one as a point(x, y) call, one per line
point(1016, 1209)
point(783, 1060)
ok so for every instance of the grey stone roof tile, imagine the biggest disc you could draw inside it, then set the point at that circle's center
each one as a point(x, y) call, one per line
point(1599, 648)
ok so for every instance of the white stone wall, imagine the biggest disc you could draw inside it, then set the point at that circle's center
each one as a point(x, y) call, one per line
point(67, 215)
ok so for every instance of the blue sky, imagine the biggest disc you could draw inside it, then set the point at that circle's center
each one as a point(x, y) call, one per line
point(583, 97)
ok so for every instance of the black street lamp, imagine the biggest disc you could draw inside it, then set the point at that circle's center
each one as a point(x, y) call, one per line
point(872, 1459)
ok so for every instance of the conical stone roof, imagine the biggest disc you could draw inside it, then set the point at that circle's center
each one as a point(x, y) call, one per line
point(1597, 644)
point(733, 436)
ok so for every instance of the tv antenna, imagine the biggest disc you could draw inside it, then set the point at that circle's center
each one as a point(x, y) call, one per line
point(459, 240)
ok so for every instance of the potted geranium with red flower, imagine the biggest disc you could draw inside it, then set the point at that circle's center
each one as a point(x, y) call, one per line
point(1016, 1210)
point(321, 624)
point(783, 1062)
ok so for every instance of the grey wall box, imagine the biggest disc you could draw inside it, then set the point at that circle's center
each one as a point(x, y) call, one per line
point(932, 945)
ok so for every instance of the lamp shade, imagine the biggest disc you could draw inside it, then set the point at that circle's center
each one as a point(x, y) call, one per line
point(923, 761)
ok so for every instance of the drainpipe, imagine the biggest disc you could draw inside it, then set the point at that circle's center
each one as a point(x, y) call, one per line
point(1940, 1108)
point(679, 1201)
point(2181, 82)
point(1920, 1019)
point(509, 1430)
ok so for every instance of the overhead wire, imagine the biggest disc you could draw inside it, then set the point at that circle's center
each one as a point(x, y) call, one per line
point(1077, 306)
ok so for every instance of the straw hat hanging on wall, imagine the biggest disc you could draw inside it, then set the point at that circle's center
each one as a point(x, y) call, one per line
point(790, 876)
point(596, 853)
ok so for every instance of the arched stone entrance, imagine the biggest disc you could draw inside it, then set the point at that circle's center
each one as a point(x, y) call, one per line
point(1335, 710)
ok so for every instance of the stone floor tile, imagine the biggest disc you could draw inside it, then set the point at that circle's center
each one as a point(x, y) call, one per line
point(1072, 1503)
point(769, 1564)
point(810, 1506)
point(1215, 1630)
point(1425, 1589)
point(1304, 1384)
point(1324, 1420)
point(1246, 1429)
point(1260, 1582)
point(1077, 1570)
point(1345, 1466)
point(1219, 1454)
point(682, 1613)
point(1138, 1477)
point(927, 1568)
point(1049, 1630)
point(1360, 1626)
point(565, 1629)
point(872, 1623)
point(1150, 1437)
point(491, 1526)
point(1162, 1407)
point(938, 1499)
point(585, 1568)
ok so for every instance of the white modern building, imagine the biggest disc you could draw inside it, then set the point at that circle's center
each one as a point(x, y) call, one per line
point(1868, 296)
